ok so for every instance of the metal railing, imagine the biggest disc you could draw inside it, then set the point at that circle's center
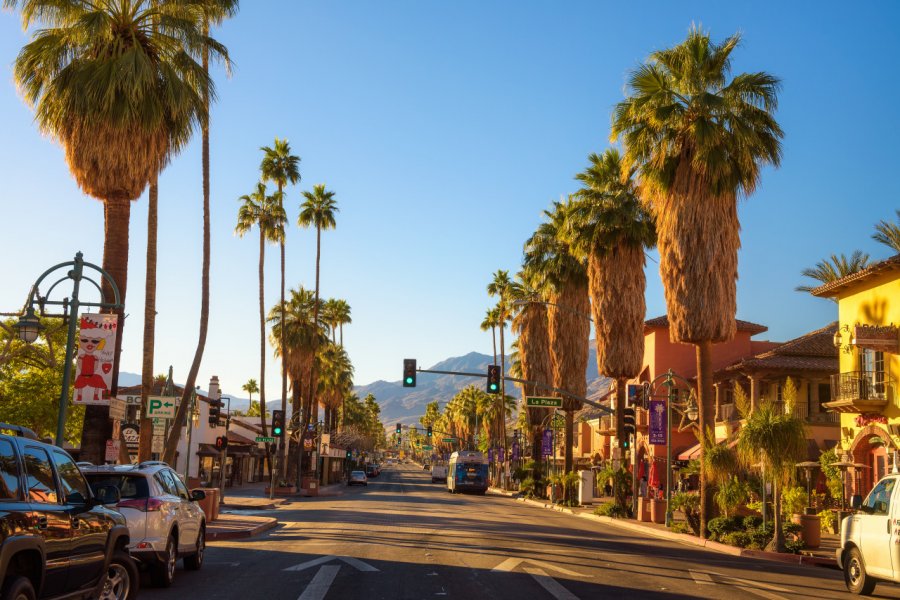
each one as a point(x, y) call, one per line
point(862, 385)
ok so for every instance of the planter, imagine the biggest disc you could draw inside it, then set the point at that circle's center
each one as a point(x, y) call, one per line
point(309, 486)
point(658, 511)
point(210, 504)
point(810, 529)
point(643, 511)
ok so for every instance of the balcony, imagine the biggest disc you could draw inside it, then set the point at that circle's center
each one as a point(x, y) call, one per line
point(860, 391)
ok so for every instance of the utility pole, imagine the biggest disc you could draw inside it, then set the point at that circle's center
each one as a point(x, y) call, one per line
point(224, 452)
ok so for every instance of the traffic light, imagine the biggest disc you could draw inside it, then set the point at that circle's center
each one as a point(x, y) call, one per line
point(399, 430)
point(493, 379)
point(278, 423)
point(215, 408)
point(349, 454)
point(428, 433)
point(628, 417)
point(409, 372)
point(221, 442)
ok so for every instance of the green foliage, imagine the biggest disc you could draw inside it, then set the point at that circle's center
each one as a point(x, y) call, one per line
point(611, 509)
point(793, 501)
point(827, 520)
point(719, 527)
point(689, 504)
point(752, 522)
point(721, 462)
point(794, 546)
point(621, 483)
point(741, 539)
point(731, 494)
point(681, 527)
point(832, 474)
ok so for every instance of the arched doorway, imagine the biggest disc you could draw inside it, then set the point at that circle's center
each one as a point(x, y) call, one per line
point(871, 447)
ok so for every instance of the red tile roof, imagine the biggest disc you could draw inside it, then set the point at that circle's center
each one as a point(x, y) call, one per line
point(813, 351)
point(838, 285)
point(753, 328)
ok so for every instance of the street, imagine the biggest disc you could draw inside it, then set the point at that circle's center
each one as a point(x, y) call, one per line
point(404, 537)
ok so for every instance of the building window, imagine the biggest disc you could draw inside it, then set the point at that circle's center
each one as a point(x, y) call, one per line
point(871, 363)
point(824, 393)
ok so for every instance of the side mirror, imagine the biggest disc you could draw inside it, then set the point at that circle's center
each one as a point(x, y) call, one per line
point(856, 502)
point(107, 494)
point(198, 495)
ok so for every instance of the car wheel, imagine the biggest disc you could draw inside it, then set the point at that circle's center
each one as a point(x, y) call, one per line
point(164, 572)
point(195, 560)
point(122, 578)
point(18, 588)
point(855, 576)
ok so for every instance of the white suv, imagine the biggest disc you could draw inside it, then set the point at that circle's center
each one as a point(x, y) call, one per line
point(164, 519)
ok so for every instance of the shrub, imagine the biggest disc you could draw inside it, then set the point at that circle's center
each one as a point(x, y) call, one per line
point(689, 504)
point(752, 522)
point(826, 521)
point(681, 527)
point(792, 528)
point(741, 539)
point(760, 538)
point(611, 509)
point(793, 501)
point(730, 494)
point(720, 526)
point(794, 546)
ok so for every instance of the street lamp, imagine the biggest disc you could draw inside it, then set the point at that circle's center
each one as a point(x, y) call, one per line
point(28, 325)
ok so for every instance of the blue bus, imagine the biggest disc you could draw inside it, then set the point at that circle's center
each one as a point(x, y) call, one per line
point(467, 472)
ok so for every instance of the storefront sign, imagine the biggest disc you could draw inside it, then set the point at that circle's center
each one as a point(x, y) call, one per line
point(879, 338)
point(659, 422)
point(96, 347)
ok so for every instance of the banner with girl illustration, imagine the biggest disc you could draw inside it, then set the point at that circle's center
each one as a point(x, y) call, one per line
point(96, 347)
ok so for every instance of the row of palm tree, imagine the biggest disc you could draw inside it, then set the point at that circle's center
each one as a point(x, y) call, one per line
point(118, 133)
point(471, 412)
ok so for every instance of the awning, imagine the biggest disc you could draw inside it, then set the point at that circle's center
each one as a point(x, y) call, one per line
point(208, 450)
point(694, 451)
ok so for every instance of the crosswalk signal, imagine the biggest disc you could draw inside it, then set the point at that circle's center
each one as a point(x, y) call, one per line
point(493, 379)
point(628, 418)
point(278, 423)
point(221, 442)
point(215, 408)
point(409, 372)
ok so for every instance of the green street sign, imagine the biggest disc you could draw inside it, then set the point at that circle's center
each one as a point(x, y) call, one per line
point(267, 440)
point(449, 440)
point(427, 448)
point(538, 401)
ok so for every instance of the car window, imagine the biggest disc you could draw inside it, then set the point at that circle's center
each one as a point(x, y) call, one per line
point(165, 480)
point(74, 487)
point(9, 472)
point(39, 476)
point(879, 500)
point(129, 486)
point(179, 485)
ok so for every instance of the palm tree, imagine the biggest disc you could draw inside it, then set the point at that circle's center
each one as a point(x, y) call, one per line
point(251, 387)
point(888, 233)
point(147, 114)
point(342, 309)
point(698, 141)
point(335, 381)
point(611, 229)
point(265, 212)
point(208, 13)
point(549, 253)
point(281, 167)
point(331, 317)
point(491, 320)
point(776, 437)
point(833, 268)
point(317, 210)
point(145, 446)
point(500, 286)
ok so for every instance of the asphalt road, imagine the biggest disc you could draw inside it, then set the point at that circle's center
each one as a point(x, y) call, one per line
point(404, 537)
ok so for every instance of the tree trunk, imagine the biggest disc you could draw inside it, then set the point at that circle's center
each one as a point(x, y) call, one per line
point(706, 400)
point(282, 455)
point(620, 413)
point(313, 412)
point(778, 537)
point(146, 441)
point(262, 342)
point(494, 339)
point(97, 427)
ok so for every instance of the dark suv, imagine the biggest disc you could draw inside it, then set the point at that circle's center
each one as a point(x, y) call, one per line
point(56, 538)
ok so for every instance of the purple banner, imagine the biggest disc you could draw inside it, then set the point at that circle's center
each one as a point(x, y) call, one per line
point(515, 450)
point(547, 443)
point(502, 454)
point(490, 455)
point(659, 424)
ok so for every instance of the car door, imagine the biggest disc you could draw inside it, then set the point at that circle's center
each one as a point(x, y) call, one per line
point(50, 518)
point(186, 537)
point(876, 528)
point(88, 548)
point(191, 514)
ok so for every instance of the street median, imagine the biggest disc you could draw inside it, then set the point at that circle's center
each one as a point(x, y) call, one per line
point(233, 527)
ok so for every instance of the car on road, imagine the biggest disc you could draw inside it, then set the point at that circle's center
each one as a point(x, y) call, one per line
point(57, 539)
point(371, 471)
point(870, 538)
point(358, 478)
point(438, 473)
point(164, 518)
point(426, 467)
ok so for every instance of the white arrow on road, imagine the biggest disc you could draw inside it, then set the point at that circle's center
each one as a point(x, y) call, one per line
point(353, 562)
point(754, 587)
point(318, 588)
point(511, 563)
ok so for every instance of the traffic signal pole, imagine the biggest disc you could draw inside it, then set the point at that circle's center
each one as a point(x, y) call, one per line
point(224, 455)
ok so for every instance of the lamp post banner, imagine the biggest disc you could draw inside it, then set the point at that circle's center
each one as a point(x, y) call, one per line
point(659, 425)
point(515, 450)
point(502, 451)
point(96, 346)
point(547, 443)
point(490, 455)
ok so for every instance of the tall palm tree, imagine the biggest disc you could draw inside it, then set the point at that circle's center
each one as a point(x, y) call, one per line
point(342, 309)
point(331, 317)
point(335, 381)
point(611, 229)
point(698, 139)
point(888, 233)
point(500, 286)
point(251, 387)
point(265, 212)
point(833, 268)
point(145, 446)
point(776, 437)
point(318, 210)
point(281, 167)
point(147, 114)
point(491, 320)
point(549, 253)
point(207, 13)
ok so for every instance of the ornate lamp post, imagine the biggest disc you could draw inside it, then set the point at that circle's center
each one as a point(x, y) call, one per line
point(29, 326)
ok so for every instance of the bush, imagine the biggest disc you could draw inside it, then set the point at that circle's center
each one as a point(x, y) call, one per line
point(793, 501)
point(760, 538)
point(731, 494)
point(680, 527)
point(611, 509)
point(792, 528)
point(689, 504)
point(752, 522)
point(741, 539)
point(826, 521)
point(794, 546)
point(721, 526)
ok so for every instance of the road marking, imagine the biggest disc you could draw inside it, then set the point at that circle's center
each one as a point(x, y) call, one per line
point(353, 562)
point(510, 564)
point(321, 583)
point(754, 587)
point(701, 578)
point(553, 587)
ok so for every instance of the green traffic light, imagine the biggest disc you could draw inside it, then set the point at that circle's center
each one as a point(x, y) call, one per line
point(409, 380)
point(278, 431)
point(493, 386)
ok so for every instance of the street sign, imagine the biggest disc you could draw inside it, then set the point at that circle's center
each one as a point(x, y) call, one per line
point(538, 401)
point(449, 440)
point(426, 447)
point(159, 444)
point(131, 434)
point(161, 406)
point(265, 440)
point(112, 451)
point(116, 408)
point(159, 426)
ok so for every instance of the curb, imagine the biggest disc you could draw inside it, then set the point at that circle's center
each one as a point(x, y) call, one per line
point(499, 492)
point(214, 536)
point(684, 538)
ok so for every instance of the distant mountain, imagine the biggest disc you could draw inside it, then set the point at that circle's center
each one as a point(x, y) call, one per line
point(407, 405)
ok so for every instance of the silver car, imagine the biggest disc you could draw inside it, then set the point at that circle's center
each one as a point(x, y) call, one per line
point(358, 477)
point(164, 520)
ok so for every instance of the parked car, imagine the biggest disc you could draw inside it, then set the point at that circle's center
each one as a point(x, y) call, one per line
point(164, 519)
point(57, 539)
point(358, 477)
point(438, 473)
point(870, 538)
point(371, 471)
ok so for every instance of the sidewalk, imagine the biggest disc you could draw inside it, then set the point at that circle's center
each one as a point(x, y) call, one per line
point(231, 527)
point(822, 556)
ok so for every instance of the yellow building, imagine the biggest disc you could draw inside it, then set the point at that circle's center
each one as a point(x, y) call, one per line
point(865, 390)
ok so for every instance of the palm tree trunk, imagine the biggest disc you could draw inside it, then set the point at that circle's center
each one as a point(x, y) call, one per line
point(146, 441)
point(97, 427)
point(778, 537)
point(706, 400)
point(262, 343)
point(312, 395)
point(283, 454)
point(494, 339)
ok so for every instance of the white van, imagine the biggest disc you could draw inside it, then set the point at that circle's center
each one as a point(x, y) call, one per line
point(870, 538)
point(438, 473)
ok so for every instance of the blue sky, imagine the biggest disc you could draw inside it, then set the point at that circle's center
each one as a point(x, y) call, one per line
point(445, 129)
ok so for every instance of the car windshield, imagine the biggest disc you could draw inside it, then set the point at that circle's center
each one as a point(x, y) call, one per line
point(129, 486)
point(358, 474)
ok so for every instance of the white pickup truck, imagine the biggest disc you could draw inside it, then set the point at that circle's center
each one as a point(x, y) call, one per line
point(870, 538)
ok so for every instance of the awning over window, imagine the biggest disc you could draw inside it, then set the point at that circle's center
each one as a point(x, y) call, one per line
point(694, 451)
